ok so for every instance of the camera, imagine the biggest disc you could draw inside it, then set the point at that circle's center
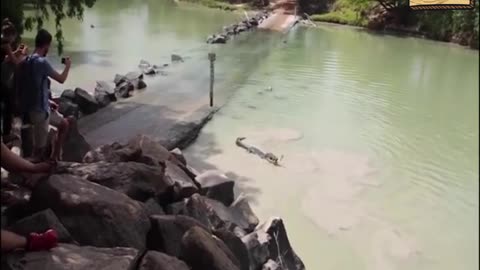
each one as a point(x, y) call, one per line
point(63, 60)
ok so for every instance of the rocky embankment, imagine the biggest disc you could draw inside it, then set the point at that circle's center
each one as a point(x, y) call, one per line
point(235, 29)
point(140, 206)
point(80, 102)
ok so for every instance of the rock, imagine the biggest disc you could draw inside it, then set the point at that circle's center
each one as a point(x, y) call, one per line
point(152, 207)
point(272, 265)
point(217, 186)
point(257, 244)
point(279, 243)
point(75, 146)
point(67, 108)
point(39, 223)
point(241, 28)
point(93, 214)
point(217, 39)
point(183, 184)
point(124, 89)
point(85, 101)
point(253, 21)
point(197, 208)
point(68, 94)
point(102, 99)
point(150, 148)
point(114, 152)
point(119, 79)
point(201, 251)
point(134, 75)
point(244, 215)
point(176, 58)
point(154, 260)
point(149, 71)
point(144, 64)
point(177, 153)
point(104, 93)
point(214, 214)
point(236, 246)
point(136, 180)
point(167, 231)
point(105, 87)
point(141, 84)
point(72, 257)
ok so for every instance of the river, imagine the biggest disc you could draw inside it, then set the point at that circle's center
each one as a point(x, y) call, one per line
point(379, 134)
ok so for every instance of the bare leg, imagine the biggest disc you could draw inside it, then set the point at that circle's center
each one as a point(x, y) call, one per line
point(11, 241)
point(61, 136)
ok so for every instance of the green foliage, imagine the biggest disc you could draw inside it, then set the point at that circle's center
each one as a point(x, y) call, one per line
point(345, 12)
point(42, 10)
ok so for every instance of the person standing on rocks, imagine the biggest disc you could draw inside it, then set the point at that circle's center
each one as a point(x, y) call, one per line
point(38, 108)
point(34, 241)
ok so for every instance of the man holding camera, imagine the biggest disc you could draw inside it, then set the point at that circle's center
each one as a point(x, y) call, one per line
point(41, 111)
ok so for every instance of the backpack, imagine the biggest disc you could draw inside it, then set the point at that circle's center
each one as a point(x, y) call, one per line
point(30, 94)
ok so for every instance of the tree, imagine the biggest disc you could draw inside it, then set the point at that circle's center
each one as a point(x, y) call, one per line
point(42, 10)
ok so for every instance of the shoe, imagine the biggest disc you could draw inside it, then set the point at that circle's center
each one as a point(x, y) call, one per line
point(42, 241)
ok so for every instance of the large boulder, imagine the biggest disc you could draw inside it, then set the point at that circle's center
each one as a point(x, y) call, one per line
point(154, 260)
point(124, 89)
point(72, 257)
point(152, 207)
point(150, 148)
point(235, 244)
point(214, 214)
point(68, 94)
point(86, 102)
point(68, 108)
point(39, 223)
point(141, 84)
point(279, 246)
point(272, 265)
point(257, 244)
point(114, 152)
point(75, 146)
point(104, 93)
point(217, 186)
point(167, 231)
point(136, 180)
point(184, 185)
point(118, 79)
point(93, 214)
point(177, 153)
point(203, 251)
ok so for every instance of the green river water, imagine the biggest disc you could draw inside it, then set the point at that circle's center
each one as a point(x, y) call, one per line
point(379, 134)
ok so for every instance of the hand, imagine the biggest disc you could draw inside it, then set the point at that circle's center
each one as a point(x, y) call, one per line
point(43, 167)
point(68, 62)
point(53, 106)
point(23, 49)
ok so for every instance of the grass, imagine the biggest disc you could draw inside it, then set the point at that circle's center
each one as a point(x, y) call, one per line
point(343, 12)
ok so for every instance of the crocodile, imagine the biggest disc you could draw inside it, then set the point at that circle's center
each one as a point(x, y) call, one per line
point(270, 157)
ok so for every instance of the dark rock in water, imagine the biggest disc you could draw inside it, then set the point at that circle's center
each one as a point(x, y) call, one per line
point(119, 79)
point(235, 244)
point(39, 223)
point(102, 99)
point(150, 148)
point(114, 152)
point(68, 94)
point(153, 207)
point(134, 75)
point(104, 93)
point(217, 186)
point(257, 244)
point(136, 180)
point(85, 101)
point(165, 65)
point(72, 257)
point(144, 64)
point(106, 87)
point(217, 39)
point(124, 89)
point(241, 28)
point(279, 246)
point(75, 146)
point(202, 251)
point(272, 265)
point(244, 215)
point(150, 71)
point(67, 108)
point(154, 260)
point(176, 58)
point(253, 21)
point(141, 84)
point(167, 232)
point(93, 214)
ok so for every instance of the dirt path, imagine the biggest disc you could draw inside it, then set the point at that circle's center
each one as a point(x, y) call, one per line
point(283, 16)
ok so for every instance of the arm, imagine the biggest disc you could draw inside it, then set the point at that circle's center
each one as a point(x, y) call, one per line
point(59, 77)
point(14, 163)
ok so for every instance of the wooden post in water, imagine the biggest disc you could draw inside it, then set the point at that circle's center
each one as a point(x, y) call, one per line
point(212, 57)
